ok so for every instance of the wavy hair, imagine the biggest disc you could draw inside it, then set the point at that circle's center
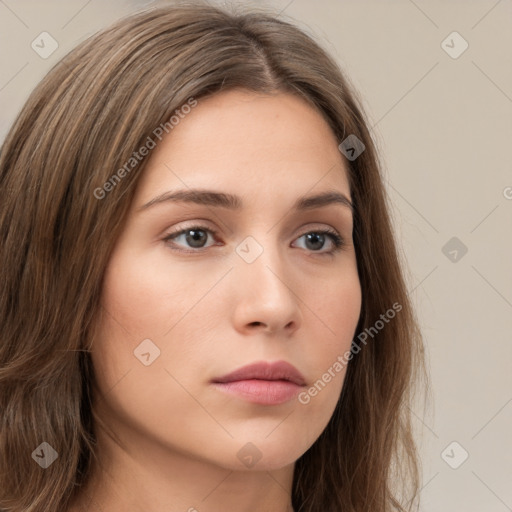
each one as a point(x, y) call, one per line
point(81, 123)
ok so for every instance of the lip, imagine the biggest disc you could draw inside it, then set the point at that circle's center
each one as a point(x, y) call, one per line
point(262, 382)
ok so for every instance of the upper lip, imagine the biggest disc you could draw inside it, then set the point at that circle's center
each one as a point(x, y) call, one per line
point(280, 370)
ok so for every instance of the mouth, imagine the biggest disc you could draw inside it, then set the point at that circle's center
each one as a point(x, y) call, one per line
point(262, 383)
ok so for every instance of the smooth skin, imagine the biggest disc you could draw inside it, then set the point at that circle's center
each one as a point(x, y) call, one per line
point(171, 439)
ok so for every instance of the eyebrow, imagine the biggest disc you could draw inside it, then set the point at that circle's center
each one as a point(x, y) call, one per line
point(233, 202)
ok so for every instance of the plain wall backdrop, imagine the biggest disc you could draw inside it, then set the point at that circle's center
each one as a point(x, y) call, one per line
point(436, 79)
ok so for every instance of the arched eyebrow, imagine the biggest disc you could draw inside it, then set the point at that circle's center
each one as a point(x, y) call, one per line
point(232, 202)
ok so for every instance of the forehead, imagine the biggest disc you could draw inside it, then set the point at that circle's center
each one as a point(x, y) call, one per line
point(248, 142)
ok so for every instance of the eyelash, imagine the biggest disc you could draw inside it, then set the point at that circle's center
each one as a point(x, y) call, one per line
point(337, 240)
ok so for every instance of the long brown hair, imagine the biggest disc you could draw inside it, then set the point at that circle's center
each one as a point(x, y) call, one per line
point(81, 124)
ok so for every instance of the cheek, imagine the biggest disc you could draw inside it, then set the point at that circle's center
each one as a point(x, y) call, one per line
point(337, 312)
point(143, 306)
point(147, 297)
point(132, 312)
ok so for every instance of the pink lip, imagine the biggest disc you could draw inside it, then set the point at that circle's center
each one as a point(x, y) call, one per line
point(263, 383)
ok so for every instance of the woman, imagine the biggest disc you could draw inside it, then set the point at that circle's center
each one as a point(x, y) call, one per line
point(202, 305)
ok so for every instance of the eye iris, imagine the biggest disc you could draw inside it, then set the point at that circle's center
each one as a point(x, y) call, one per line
point(317, 239)
point(196, 237)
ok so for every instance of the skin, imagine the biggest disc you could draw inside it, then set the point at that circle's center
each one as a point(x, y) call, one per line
point(170, 439)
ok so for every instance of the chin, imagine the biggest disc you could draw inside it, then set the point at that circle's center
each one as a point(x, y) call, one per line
point(265, 454)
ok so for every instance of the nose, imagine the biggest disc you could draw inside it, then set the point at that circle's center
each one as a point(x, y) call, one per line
point(266, 301)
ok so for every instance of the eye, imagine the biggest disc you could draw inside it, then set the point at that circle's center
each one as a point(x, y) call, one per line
point(196, 236)
point(315, 240)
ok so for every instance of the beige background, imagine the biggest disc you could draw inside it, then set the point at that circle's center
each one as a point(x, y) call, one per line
point(444, 126)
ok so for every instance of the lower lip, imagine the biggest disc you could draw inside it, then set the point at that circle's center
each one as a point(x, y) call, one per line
point(263, 392)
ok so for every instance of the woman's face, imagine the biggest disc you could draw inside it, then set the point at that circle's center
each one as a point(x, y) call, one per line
point(258, 283)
